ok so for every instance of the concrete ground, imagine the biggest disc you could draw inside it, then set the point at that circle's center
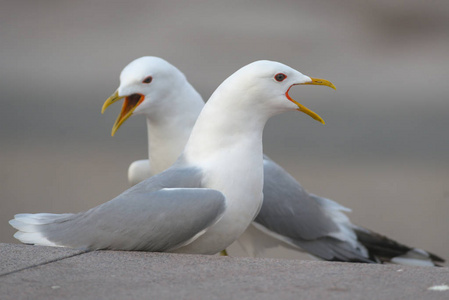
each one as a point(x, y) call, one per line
point(34, 272)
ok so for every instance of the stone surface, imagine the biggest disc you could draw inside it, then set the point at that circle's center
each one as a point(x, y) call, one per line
point(14, 257)
point(131, 275)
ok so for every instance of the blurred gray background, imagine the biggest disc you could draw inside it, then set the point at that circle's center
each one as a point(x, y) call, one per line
point(384, 151)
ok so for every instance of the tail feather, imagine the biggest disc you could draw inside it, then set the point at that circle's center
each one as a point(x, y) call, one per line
point(34, 238)
point(38, 219)
point(29, 227)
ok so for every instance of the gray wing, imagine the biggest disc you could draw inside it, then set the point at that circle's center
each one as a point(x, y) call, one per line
point(307, 221)
point(159, 214)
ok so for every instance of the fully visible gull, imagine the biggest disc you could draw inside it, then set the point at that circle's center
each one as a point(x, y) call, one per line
point(208, 197)
point(289, 215)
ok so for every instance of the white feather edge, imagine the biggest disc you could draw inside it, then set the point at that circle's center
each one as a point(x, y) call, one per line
point(28, 233)
point(415, 257)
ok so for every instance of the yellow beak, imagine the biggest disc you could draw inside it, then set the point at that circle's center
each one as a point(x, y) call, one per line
point(315, 81)
point(129, 105)
point(112, 99)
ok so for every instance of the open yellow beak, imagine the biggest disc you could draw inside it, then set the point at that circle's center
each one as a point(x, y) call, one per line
point(112, 99)
point(129, 105)
point(315, 81)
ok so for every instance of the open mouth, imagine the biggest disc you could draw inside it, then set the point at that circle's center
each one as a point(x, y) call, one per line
point(129, 105)
point(314, 81)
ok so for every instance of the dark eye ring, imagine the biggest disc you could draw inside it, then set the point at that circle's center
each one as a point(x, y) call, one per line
point(280, 77)
point(147, 79)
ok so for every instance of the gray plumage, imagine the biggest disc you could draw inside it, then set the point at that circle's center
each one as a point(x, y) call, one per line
point(159, 214)
point(318, 225)
point(311, 221)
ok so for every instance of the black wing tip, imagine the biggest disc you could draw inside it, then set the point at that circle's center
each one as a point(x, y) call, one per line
point(385, 248)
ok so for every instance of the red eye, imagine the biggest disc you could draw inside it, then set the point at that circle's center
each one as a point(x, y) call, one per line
point(147, 79)
point(280, 77)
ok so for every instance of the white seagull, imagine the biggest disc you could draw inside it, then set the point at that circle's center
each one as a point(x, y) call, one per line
point(208, 197)
point(289, 215)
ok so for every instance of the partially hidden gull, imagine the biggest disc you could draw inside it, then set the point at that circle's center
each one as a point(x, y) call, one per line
point(289, 216)
point(212, 192)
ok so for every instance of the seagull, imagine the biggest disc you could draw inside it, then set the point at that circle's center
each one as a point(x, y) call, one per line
point(212, 192)
point(289, 216)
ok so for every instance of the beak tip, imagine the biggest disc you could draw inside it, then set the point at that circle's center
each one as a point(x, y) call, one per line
point(319, 119)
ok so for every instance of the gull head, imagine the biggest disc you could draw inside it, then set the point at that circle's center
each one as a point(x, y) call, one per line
point(264, 85)
point(144, 84)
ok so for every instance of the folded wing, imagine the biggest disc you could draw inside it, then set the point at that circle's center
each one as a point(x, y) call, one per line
point(314, 224)
point(152, 216)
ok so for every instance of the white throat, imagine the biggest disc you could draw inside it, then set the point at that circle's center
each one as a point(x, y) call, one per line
point(169, 127)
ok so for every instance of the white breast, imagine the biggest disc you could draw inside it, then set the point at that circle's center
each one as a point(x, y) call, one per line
point(238, 174)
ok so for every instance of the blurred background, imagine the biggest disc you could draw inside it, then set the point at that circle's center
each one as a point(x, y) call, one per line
point(384, 151)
